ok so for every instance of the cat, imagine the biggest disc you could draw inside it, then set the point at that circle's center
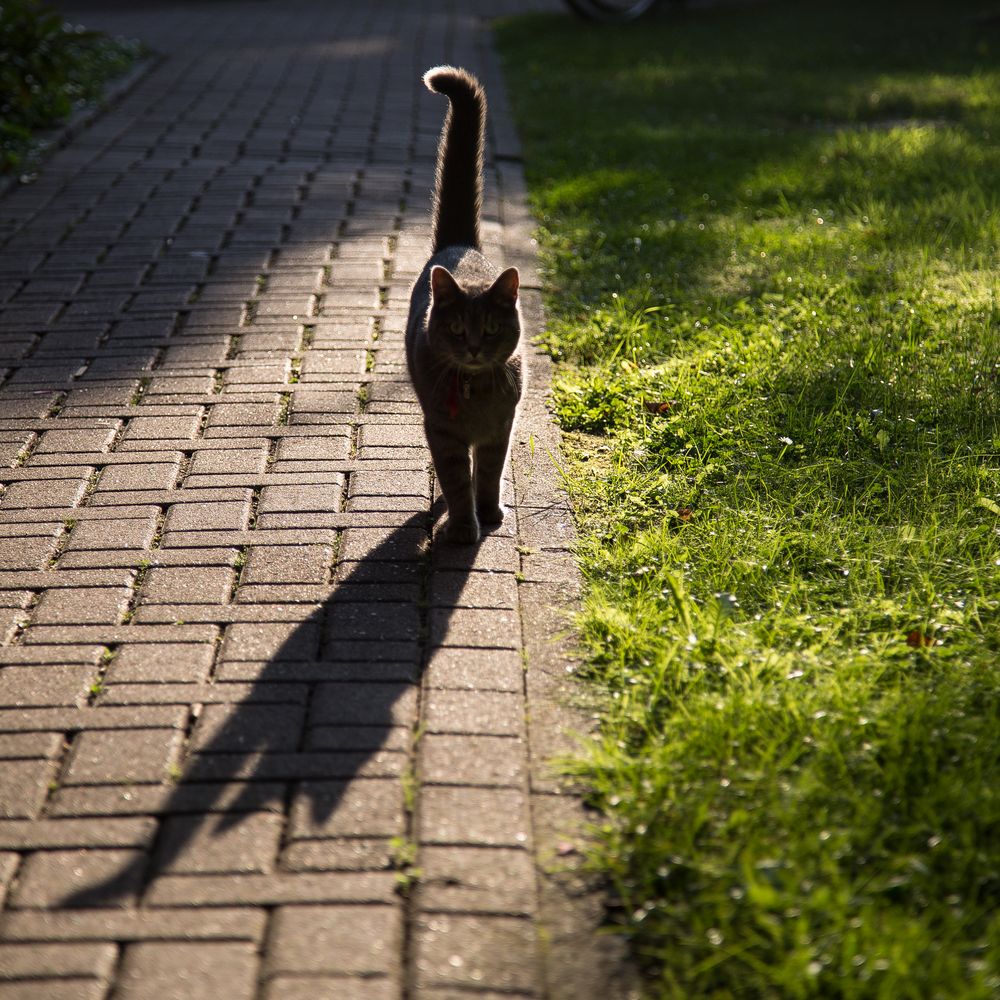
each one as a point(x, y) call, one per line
point(463, 333)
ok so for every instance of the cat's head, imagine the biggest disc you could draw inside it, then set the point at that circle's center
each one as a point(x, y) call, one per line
point(474, 327)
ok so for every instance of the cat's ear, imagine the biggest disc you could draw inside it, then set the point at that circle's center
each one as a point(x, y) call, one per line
point(444, 288)
point(506, 286)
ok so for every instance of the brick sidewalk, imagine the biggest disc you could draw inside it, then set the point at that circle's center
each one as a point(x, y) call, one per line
point(261, 735)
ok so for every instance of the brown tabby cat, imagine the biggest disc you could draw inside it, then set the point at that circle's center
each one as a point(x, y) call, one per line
point(464, 327)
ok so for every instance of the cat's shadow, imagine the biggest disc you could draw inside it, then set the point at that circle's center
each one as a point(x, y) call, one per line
point(382, 604)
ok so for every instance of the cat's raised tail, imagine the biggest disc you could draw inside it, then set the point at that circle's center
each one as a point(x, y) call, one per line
point(458, 186)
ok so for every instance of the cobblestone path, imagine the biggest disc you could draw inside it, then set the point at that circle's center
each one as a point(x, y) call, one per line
point(261, 734)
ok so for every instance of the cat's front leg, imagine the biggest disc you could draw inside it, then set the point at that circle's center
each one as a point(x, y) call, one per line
point(454, 474)
point(487, 465)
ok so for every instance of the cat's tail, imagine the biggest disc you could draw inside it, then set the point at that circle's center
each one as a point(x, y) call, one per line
point(458, 187)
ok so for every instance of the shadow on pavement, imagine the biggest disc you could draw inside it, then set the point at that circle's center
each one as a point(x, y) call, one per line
point(361, 655)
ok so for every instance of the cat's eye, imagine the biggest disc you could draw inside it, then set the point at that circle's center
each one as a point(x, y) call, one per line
point(490, 325)
point(456, 326)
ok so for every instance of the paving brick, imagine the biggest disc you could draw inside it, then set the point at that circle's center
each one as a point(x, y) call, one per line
point(224, 693)
point(11, 620)
point(475, 628)
point(319, 362)
point(234, 728)
point(386, 504)
point(272, 593)
point(456, 589)
point(189, 585)
point(24, 746)
point(26, 553)
point(53, 989)
point(196, 385)
point(380, 484)
point(364, 704)
point(227, 515)
point(301, 765)
point(166, 663)
point(499, 713)
point(258, 536)
point(152, 428)
point(271, 642)
point(330, 448)
point(21, 961)
point(200, 844)
point(161, 970)
point(243, 414)
point(339, 854)
point(148, 476)
point(82, 606)
point(335, 939)
point(314, 987)
point(9, 862)
point(209, 923)
point(496, 554)
point(476, 817)
point(46, 834)
point(259, 376)
point(129, 801)
point(557, 569)
point(49, 878)
point(53, 578)
point(248, 460)
point(476, 669)
point(376, 545)
point(96, 439)
point(359, 808)
point(287, 564)
point(45, 493)
point(109, 757)
point(473, 760)
point(23, 787)
point(161, 557)
point(45, 685)
point(550, 527)
point(30, 720)
point(475, 952)
point(391, 435)
point(348, 737)
point(278, 889)
point(301, 498)
point(17, 600)
point(121, 533)
point(476, 880)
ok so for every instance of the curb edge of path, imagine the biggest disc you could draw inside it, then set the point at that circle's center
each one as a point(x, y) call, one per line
point(580, 957)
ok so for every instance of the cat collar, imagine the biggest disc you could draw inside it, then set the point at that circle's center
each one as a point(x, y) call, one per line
point(453, 394)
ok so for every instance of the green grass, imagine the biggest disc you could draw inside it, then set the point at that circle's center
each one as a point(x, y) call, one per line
point(48, 68)
point(770, 241)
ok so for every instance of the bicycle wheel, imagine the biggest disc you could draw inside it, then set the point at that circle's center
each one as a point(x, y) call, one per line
point(611, 10)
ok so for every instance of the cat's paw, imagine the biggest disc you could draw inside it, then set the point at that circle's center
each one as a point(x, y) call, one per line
point(490, 515)
point(462, 532)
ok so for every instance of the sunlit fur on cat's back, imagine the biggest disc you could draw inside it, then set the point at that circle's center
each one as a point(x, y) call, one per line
point(463, 334)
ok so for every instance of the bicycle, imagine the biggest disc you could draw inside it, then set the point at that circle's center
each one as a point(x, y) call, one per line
point(611, 11)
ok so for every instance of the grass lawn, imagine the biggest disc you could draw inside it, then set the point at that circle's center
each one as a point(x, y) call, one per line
point(770, 237)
